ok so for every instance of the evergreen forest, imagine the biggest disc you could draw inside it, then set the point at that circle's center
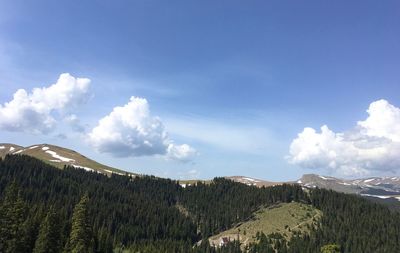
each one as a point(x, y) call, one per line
point(45, 209)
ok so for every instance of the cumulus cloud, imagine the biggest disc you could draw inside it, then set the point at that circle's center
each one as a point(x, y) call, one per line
point(34, 112)
point(372, 146)
point(183, 153)
point(383, 121)
point(131, 130)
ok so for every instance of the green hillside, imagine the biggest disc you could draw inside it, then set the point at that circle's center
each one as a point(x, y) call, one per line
point(284, 218)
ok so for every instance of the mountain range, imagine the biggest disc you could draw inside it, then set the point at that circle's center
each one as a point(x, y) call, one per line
point(384, 188)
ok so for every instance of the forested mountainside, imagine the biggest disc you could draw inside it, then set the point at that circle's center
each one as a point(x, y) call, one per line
point(43, 209)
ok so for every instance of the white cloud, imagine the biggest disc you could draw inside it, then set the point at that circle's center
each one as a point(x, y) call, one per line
point(130, 130)
point(372, 146)
point(34, 112)
point(383, 121)
point(183, 152)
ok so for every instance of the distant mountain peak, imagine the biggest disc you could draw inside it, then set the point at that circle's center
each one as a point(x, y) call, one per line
point(377, 187)
point(59, 157)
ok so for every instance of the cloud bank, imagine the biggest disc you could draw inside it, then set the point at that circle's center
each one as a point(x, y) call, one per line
point(372, 146)
point(35, 112)
point(131, 130)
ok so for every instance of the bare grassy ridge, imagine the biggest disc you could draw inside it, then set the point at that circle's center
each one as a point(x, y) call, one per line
point(39, 151)
point(282, 218)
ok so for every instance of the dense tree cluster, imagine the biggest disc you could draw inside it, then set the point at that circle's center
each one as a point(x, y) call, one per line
point(43, 209)
point(222, 203)
point(121, 211)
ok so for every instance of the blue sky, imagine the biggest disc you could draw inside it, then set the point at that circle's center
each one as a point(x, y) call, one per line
point(237, 81)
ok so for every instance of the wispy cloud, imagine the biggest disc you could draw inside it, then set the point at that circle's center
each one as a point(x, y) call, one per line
point(222, 135)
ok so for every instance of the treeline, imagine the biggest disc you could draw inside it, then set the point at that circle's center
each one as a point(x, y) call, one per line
point(44, 209)
point(223, 203)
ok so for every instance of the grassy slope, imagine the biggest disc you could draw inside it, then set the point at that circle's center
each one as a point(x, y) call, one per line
point(283, 218)
point(79, 160)
point(5, 149)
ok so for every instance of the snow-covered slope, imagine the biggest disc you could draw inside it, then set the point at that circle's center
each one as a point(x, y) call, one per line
point(385, 188)
point(59, 157)
point(379, 187)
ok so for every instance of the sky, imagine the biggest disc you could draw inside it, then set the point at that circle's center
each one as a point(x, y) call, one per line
point(199, 89)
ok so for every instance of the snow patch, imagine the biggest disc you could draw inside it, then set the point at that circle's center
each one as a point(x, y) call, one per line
point(12, 149)
point(56, 161)
point(45, 148)
point(19, 151)
point(250, 179)
point(380, 196)
point(299, 181)
point(83, 167)
point(369, 180)
point(324, 178)
point(33, 147)
point(2, 147)
point(343, 183)
point(55, 155)
point(310, 185)
point(114, 172)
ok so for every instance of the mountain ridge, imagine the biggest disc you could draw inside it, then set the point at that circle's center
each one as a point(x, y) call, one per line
point(378, 189)
point(383, 188)
point(60, 157)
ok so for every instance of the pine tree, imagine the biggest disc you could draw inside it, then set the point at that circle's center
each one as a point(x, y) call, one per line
point(80, 240)
point(49, 237)
point(12, 220)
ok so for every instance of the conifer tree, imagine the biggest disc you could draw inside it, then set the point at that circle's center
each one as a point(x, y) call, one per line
point(12, 219)
point(48, 240)
point(80, 240)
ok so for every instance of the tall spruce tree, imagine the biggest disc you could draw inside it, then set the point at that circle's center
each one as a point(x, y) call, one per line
point(49, 237)
point(13, 215)
point(80, 240)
